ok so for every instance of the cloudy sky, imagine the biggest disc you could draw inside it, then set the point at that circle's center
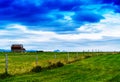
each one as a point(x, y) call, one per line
point(71, 25)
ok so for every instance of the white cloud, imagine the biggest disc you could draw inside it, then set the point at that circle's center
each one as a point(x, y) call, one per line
point(38, 39)
point(108, 27)
point(16, 27)
point(68, 18)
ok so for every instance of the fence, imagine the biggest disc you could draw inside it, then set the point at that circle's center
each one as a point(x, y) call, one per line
point(18, 63)
point(15, 63)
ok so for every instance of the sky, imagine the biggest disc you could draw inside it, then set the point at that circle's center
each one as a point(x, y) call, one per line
point(70, 25)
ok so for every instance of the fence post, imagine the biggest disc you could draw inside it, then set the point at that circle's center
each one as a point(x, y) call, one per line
point(68, 56)
point(88, 52)
point(55, 56)
point(36, 60)
point(83, 52)
point(77, 54)
point(98, 51)
point(6, 63)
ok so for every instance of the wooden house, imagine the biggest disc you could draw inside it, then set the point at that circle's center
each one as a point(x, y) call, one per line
point(17, 48)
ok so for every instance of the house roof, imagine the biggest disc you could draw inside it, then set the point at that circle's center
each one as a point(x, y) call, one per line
point(17, 46)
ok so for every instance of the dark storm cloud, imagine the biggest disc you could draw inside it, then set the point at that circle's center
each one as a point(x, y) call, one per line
point(18, 9)
point(45, 14)
point(5, 3)
point(28, 13)
point(87, 16)
point(115, 2)
point(62, 5)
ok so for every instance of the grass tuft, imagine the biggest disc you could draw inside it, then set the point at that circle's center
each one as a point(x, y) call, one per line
point(55, 65)
point(36, 69)
point(4, 75)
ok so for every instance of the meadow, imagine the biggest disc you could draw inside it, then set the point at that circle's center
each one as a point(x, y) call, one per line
point(19, 63)
point(78, 67)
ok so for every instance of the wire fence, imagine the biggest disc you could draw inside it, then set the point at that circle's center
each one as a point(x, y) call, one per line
point(18, 63)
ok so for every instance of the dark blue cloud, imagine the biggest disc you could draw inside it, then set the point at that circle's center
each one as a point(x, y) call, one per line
point(28, 13)
point(62, 5)
point(5, 3)
point(45, 14)
point(87, 16)
point(25, 14)
point(115, 2)
point(108, 1)
point(117, 9)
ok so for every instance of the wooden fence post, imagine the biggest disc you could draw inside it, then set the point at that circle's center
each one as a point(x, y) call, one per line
point(36, 60)
point(83, 52)
point(77, 54)
point(68, 56)
point(6, 63)
point(55, 56)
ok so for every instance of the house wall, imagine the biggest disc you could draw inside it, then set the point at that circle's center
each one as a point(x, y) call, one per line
point(17, 48)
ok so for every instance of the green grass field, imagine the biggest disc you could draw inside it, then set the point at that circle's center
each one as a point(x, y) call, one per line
point(99, 67)
point(23, 62)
